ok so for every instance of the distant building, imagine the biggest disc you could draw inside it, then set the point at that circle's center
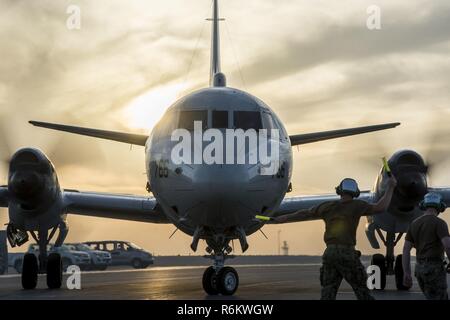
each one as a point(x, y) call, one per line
point(285, 248)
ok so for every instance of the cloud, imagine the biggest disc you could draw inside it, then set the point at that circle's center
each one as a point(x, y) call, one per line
point(315, 63)
point(350, 42)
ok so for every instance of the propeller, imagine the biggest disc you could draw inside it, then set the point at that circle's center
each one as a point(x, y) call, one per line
point(437, 152)
point(62, 149)
point(434, 147)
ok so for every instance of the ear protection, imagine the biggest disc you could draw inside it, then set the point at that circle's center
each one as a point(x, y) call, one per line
point(348, 186)
point(432, 200)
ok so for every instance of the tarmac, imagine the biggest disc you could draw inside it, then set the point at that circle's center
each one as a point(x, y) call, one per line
point(261, 278)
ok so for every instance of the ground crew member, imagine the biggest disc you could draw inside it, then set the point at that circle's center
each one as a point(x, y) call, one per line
point(340, 259)
point(429, 235)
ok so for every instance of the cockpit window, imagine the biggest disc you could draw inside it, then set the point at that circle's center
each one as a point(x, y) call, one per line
point(187, 119)
point(219, 119)
point(247, 120)
point(268, 122)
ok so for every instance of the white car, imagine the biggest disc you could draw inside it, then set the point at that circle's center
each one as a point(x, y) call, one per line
point(100, 260)
point(68, 256)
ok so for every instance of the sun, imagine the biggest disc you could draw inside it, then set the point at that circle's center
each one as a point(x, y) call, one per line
point(146, 110)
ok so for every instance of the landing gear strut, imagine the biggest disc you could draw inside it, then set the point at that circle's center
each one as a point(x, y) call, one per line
point(386, 264)
point(49, 264)
point(219, 279)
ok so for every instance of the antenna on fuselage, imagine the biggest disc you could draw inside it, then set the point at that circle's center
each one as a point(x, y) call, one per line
point(216, 78)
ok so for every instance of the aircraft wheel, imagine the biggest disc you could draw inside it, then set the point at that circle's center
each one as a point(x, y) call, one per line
point(54, 271)
point(29, 271)
point(209, 281)
point(227, 281)
point(398, 268)
point(380, 261)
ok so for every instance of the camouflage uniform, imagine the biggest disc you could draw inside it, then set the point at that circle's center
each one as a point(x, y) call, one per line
point(340, 259)
point(432, 279)
point(342, 262)
point(426, 234)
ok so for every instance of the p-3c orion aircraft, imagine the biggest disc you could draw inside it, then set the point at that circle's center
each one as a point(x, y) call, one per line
point(212, 202)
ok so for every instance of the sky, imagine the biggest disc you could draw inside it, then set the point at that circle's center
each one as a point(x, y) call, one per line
point(316, 63)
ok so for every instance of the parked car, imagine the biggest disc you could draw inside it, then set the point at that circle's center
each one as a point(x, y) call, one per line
point(68, 257)
point(100, 260)
point(124, 253)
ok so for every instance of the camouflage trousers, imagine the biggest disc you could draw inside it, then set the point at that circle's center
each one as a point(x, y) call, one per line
point(343, 263)
point(432, 279)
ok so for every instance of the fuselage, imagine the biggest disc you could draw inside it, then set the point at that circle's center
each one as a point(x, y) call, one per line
point(219, 196)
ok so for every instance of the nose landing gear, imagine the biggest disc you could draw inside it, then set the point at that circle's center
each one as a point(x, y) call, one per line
point(223, 280)
point(219, 279)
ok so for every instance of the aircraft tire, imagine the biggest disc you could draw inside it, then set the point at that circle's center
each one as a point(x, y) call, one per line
point(54, 271)
point(30, 270)
point(209, 281)
point(227, 281)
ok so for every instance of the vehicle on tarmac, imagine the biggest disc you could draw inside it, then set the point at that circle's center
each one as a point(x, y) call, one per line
point(124, 253)
point(68, 257)
point(100, 260)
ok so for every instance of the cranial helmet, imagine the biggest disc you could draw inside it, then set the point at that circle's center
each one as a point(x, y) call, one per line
point(432, 200)
point(348, 186)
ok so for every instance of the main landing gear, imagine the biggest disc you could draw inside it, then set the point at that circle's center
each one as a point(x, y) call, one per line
point(51, 264)
point(389, 264)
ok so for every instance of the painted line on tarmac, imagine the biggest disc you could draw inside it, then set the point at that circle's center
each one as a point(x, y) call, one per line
point(182, 268)
point(205, 266)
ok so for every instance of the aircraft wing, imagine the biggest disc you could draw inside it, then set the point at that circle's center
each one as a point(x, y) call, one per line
point(130, 138)
point(444, 192)
point(293, 204)
point(333, 134)
point(123, 207)
point(138, 139)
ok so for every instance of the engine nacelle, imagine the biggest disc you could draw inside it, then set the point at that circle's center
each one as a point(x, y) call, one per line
point(410, 170)
point(411, 173)
point(35, 195)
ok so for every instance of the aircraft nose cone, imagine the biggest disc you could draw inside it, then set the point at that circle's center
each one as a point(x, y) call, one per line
point(222, 198)
point(222, 182)
point(25, 184)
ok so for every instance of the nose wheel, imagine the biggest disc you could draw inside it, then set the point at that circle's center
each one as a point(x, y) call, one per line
point(209, 281)
point(219, 279)
point(225, 281)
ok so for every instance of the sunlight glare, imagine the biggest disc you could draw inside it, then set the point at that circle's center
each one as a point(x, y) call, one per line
point(146, 110)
